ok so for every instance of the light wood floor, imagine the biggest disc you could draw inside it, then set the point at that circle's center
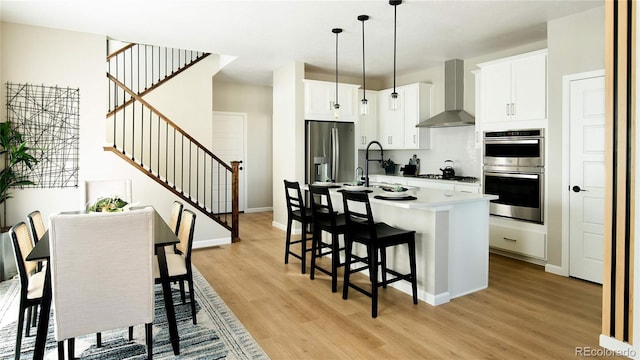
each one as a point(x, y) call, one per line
point(525, 312)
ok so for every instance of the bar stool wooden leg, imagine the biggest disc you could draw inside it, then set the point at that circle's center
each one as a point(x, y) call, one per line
point(412, 265)
point(288, 241)
point(373, 270)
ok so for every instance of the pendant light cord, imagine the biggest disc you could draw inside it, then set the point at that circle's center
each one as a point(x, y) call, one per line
point(337, 32)
point(364, 80)
point(395, 11)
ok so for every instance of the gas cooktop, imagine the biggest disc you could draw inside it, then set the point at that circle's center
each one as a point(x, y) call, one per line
point(469, 179)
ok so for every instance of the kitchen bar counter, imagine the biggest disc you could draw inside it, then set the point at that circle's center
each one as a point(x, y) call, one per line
point(452, 240)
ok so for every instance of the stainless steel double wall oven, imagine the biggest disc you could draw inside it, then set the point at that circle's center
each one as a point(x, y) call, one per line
point(514, 170)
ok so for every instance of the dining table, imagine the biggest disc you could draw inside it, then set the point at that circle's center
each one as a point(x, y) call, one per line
point(163, 236)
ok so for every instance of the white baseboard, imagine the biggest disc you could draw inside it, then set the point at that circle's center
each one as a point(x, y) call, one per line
point(212, 242)
point(259, 209)
point(283, 227)
point(555, 269)
point(612, 347)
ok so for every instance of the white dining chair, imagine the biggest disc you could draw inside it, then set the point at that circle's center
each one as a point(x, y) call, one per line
point(101, 273)
point(96, 189)
point(179, 263)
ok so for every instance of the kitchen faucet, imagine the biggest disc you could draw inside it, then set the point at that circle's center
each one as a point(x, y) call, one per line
point(366, 163)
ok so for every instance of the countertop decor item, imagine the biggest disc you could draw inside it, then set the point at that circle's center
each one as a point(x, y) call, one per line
point(389, 166)
point(109, 204)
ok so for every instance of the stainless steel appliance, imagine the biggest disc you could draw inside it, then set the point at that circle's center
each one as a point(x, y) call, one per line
point(330, 151)
point(514, 170)
point(514, 148)
point(520, 191)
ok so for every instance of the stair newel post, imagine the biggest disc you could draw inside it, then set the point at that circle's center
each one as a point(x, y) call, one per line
point(235, 192)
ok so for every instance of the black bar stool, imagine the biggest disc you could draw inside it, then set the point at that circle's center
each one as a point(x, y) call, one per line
point(296, 211)
point(377, 237)
point(326, 219)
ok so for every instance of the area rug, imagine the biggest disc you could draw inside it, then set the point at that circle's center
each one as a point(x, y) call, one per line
point(218, 334)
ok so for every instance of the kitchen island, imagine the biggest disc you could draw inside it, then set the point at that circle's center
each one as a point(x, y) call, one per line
point(452, 239)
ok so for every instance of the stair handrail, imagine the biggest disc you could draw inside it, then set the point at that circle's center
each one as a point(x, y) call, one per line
point(168, 121)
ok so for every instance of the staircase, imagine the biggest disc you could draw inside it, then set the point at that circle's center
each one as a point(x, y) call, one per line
point(155, 145)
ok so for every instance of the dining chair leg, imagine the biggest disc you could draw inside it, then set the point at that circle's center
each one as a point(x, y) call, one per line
point(61, 350)
point(335, 261)
point(98, 339)
point(182, 295)
point(34, 316)
point(19, 334)
point(148, 333)
point(192, 299)
point(71, 348)
point(28, 328)
point(130, 333)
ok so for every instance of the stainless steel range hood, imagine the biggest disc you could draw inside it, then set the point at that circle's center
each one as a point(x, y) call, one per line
point(453, 115)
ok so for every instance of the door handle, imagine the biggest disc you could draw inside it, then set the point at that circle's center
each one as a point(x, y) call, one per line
point(577, 188)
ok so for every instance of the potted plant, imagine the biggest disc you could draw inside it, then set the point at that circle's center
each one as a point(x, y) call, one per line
point(16, 153)
point(389, 166)
point(108, 204)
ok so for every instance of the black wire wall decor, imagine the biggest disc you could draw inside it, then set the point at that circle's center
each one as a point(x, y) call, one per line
point(49, 119)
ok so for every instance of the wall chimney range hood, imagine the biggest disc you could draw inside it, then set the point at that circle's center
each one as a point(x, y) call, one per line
point(453, 115)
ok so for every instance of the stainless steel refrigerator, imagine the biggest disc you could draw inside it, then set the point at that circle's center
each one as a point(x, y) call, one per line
point(330, 151)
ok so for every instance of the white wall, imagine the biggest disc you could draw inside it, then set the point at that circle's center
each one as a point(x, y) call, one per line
point(575, 44)
point(51, 57)
point(257, 103)
point(288, 134)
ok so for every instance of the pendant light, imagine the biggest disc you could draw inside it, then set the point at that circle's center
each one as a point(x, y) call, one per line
point(393, 99)
point(336, 105)
point(364, 103)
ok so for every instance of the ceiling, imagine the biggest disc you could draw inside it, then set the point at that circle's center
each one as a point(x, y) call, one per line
point(264, 35)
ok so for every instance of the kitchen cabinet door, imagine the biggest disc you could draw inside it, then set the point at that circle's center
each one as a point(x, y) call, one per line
point(391, 122)
point(367, 125)
point(515, 88)
point(496, 92)
point(529, 88)
point(417, 107)
point(320, 96)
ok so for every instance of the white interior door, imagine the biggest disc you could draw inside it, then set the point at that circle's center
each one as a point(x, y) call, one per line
point(229, 145)
point(586, 200)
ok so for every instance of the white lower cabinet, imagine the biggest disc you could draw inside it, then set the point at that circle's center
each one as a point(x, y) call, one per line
point(520, 241)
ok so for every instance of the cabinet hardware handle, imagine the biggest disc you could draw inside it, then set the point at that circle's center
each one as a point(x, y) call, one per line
point(507, 109)
point(414, 139)
point(330, 105)
point(513, 109)
point(509, 239)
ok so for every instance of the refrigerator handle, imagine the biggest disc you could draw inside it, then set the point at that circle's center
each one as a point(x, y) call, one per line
point(335, 145)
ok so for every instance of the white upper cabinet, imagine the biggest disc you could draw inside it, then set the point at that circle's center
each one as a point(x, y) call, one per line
point(397, 129)
point(367, 125)
point(390, 122)
point(514, 88)
point(417, 107)
point(319, 97)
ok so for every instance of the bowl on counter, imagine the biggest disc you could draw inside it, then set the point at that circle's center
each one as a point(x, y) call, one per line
point(394, 191)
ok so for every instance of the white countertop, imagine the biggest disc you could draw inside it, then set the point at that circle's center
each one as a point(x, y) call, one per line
point(426, 198)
